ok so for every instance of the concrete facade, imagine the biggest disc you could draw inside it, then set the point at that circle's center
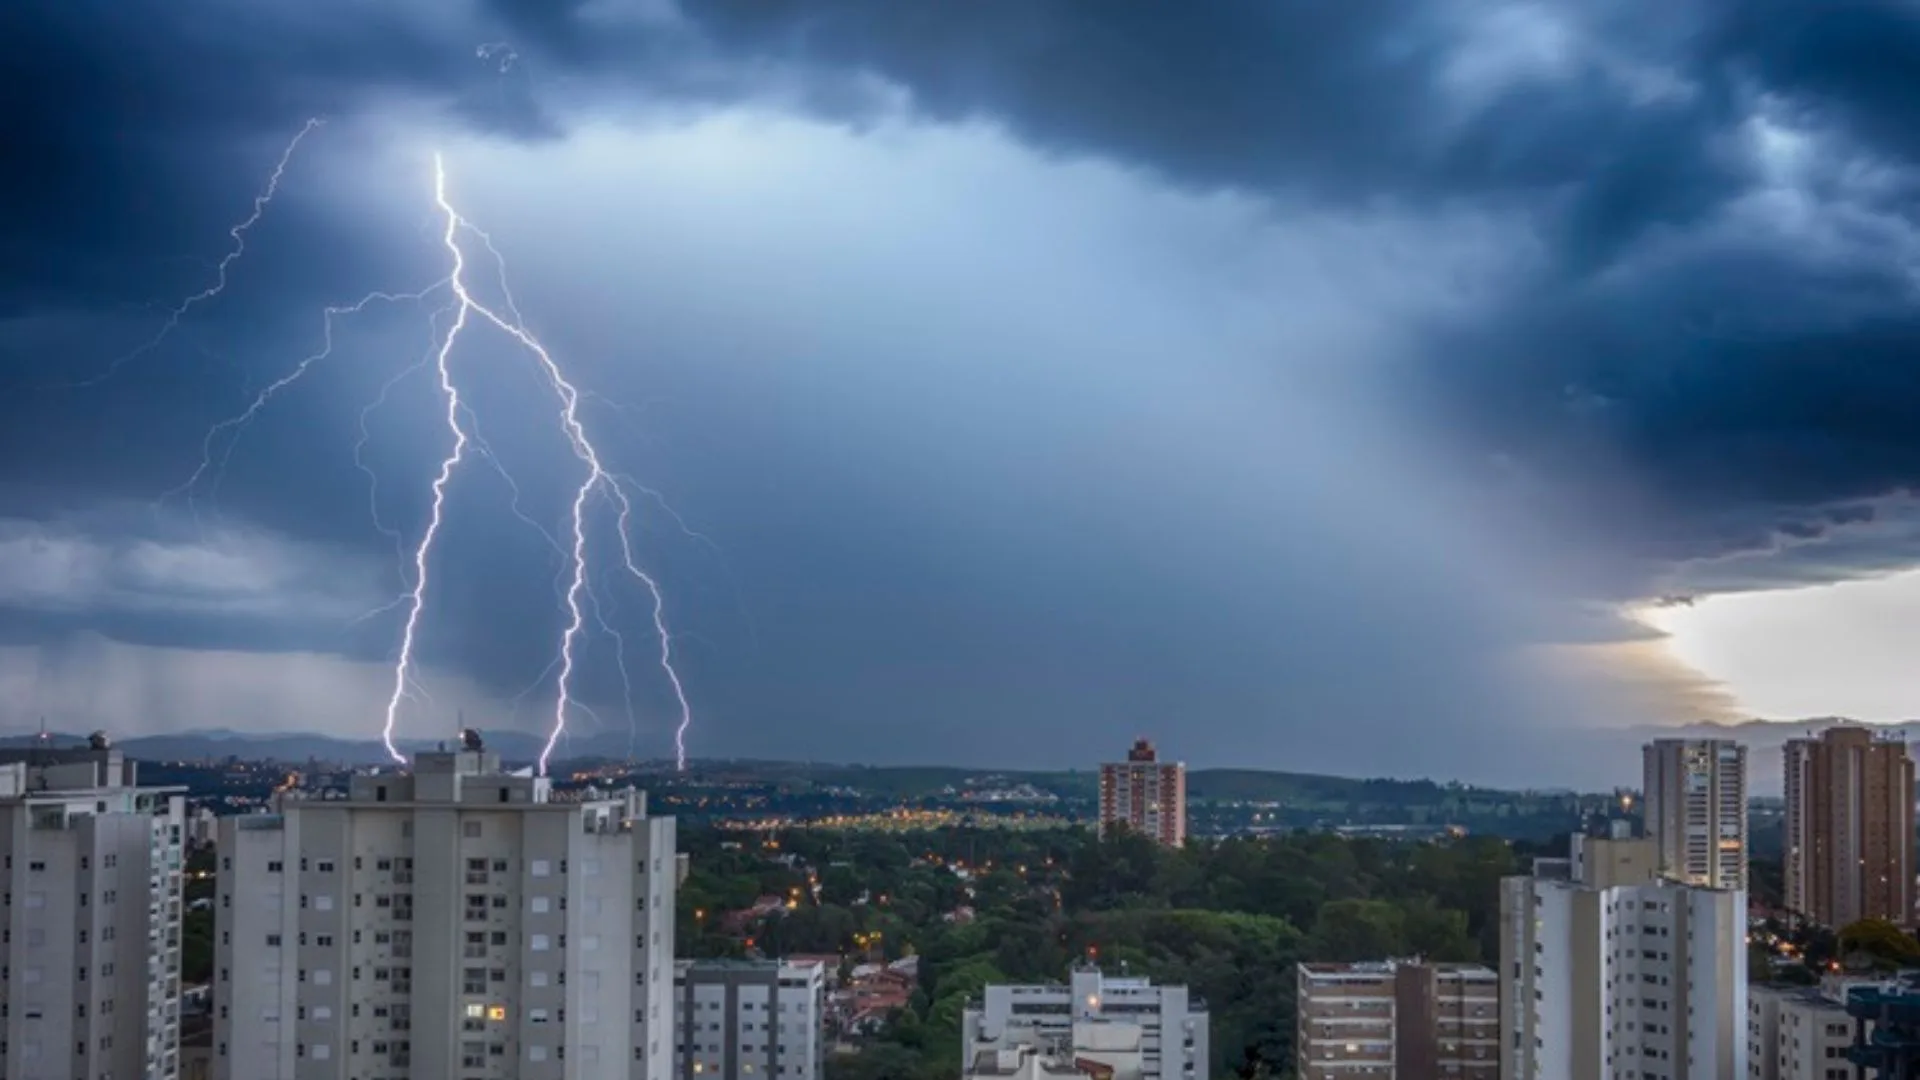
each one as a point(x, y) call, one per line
point(452, 921)
point(1093, 1016)
point(90, 950)
point(1799, 1033)
point(1695, 802)
point(1400, 1018)
point(749, 1020)
point(1645, 979)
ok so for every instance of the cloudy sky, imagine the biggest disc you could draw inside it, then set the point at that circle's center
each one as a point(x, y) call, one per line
point(1398, 387)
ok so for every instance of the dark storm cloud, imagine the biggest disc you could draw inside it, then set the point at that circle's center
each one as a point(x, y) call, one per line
point(132, 129)
point(1750, 383)
point(1730, 374)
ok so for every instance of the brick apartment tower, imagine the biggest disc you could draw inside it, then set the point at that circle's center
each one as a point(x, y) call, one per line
point(1146, 795)
point(1849, 828)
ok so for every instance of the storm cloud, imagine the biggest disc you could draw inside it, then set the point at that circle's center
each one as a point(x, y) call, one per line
point(1277, 378)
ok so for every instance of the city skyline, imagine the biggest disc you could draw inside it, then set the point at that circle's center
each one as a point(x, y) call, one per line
point(1490, 377)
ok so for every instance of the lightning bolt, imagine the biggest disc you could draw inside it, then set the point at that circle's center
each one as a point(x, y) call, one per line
point(450, 392)
point(597, 487)
point(237, 423)
point(373, 478)
point(239, 234)
point(598, 481)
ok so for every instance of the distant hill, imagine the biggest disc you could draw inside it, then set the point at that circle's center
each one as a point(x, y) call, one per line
point(293, 748)
point(1764, 740)
point(1203, 785)
point(887, 781)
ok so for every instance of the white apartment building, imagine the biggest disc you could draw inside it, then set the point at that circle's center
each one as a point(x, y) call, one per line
point(1799, 1032)
point(1095, 1016)
point(1610, 979)
point(453, 921)
point(1399, 1018)
point(1695, 801)
point(1106, 1049)
point(90, 951)
point(749, 1020)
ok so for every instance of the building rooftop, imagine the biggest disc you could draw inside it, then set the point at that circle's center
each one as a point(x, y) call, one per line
point(728, 963)
point(1389, 966)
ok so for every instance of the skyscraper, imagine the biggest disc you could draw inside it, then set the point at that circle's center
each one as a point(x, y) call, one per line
point(1849, 827)
point(91, 980)
point(1146, 795)
point(1611, 973)
point(1695, 800)
point(451, 921)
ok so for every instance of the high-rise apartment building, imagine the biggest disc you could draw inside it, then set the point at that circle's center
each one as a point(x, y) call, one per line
point(746, 1019)
point(1146, 795)
point(452, 921)
point(1400, 1018)
point(1849, 827)
point(1128, 1025)
point(1695, 801)
point(1642, 978)
point(90, 960)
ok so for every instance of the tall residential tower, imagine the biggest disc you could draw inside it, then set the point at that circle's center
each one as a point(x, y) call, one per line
point(90, 960)
point(1145, 795)
point(1609, 971)
point(452, 921)
point(1849, 827)
point(1696, 810)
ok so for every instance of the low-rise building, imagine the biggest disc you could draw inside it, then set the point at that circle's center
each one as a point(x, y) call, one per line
point(1800, 1032)
point(1109, 1049)
point(1401, 1018)
point(747, 1019)
point(1092, 1016)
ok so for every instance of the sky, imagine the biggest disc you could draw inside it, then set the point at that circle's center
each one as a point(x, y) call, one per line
point(1425, 387)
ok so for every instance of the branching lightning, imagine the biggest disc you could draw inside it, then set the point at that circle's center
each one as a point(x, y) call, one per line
point(234, 426)
point(598, 486)
point(239, 234)
point(422, 553)
point(598, 481)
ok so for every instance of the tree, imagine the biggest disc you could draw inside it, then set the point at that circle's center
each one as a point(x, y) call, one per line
point(1350, 930)
point(1888, 947)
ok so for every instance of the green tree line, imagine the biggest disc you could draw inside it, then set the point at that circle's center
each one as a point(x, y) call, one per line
point(1227, 919)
